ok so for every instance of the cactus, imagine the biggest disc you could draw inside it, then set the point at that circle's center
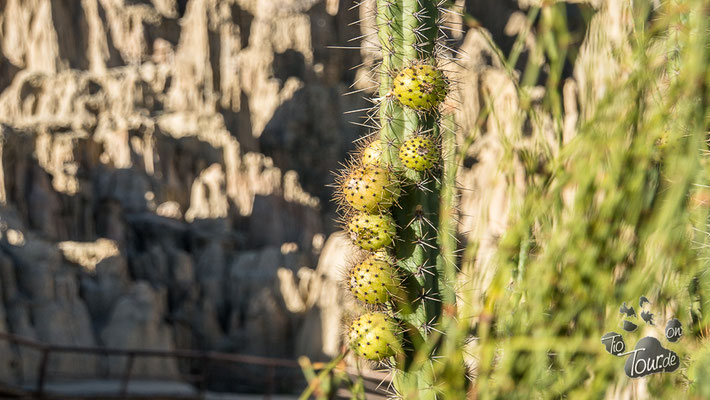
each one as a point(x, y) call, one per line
point(391, 195)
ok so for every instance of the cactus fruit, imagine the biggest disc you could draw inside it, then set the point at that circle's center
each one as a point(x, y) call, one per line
point(375, 336)
point(419, 153)
point(370, 188)
point(372, 231)
point(374, 280)
point(421, 87)
point(372, 153)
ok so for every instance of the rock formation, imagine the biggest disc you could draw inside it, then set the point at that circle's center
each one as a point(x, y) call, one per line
point(163, 170)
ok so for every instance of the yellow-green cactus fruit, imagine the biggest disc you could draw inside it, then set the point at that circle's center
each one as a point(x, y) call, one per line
point(372, 154)
point(375, 336)
point(370, 188)
point(420, 87)
point(372, 231)
point(374, 280)
point(419, 153)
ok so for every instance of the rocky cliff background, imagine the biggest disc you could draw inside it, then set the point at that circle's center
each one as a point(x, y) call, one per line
point(164, 167)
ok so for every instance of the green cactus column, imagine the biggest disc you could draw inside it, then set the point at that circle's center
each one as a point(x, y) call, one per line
point(392, 195)
point(407, 32)
point(411, 88)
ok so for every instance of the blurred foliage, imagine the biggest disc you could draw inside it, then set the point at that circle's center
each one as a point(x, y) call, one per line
point(698, 373)
point(620, 211)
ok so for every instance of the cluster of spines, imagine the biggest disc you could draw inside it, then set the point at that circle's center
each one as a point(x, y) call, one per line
point(395, 224)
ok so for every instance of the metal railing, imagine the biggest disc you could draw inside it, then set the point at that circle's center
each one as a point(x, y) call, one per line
point(205, 358)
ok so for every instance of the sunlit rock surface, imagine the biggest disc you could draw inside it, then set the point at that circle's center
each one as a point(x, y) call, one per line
point(163, 172)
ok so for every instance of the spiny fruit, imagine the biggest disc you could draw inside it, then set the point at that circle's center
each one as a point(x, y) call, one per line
point(372, 231)
point(421, 87)
point(372, 154)
point(419, 153)
point(374, 336)
point(374, 280)
point(370, 188)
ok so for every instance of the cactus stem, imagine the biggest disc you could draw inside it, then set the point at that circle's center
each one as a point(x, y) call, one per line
point(397, 215)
